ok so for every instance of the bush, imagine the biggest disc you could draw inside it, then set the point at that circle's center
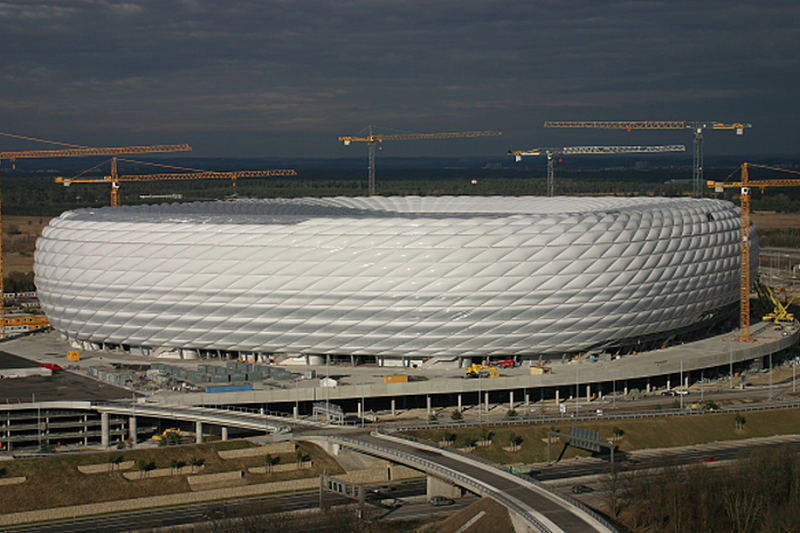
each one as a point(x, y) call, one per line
point(456, 415)
point(511, 413)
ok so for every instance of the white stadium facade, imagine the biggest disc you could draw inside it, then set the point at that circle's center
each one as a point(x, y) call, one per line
point(389, 277)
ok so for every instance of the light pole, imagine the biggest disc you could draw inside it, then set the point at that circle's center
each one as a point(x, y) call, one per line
point(730, 364)
point(770, 377)
point(681, 390)
point(613, 393)
point(577, 390)
point(296, 398)
point(480, 399)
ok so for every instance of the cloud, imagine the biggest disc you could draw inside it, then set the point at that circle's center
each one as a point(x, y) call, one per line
point(288, 66)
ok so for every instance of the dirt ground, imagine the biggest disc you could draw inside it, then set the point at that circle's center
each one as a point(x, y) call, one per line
point(19, 241)
point(773, 220)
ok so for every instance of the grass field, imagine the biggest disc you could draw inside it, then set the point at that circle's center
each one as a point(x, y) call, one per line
point(55, 481)
point(637, 434)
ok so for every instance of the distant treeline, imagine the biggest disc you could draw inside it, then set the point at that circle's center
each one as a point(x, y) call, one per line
point(35, 193)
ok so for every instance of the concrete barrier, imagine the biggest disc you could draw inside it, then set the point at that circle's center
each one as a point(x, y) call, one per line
point(105, 468)
point(287, 467)
point(217, 480)
point(159, 472)
point(12, 480)
point(273, 448)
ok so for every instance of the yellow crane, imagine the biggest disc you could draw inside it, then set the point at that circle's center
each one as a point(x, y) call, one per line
point(115, 178)
point(695, 125)
point(73, 150)
point(744, 185)
point(376, 138)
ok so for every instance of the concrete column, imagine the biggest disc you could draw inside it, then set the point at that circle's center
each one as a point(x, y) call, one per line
point(486, 395)
point(104, 430)
point(558, 400)
point(393, 406)
point(648, 387)
point(361, 409)
point(511, 400)
point(261, 411)
point(527, 400)
point(686, 381)
point(588, 393)
point(198, 432)
point(600, 392)
point(224, 433)
point(295, 413)
point(428, 403)
point(132, 429)
point(85, 430)
point(437, 487)
point(625, 389)
point(668, 384)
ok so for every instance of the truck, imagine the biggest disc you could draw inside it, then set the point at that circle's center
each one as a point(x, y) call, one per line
point(482, 371)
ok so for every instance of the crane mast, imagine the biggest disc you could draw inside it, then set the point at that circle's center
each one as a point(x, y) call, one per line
point(696, 126)
point(744, 186)
point(73, 150)
point(372, 138)
point(550, 152)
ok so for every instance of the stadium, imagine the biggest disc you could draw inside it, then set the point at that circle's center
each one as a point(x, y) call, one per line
point(389, 277)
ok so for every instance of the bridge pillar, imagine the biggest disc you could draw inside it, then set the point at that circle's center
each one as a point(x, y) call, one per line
point(459, 403)
point(224, 433)
point(511, 400)
point(104, 430)
point(437, 487)
point(132, 429)
point(394, 405)
point(198, 432)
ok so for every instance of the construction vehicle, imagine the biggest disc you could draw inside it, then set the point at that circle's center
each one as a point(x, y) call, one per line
point(195, 174)
point(587, 150)
point(482, 371)
point(696, 126)
point(376, 138)
point(780, 314)
point(744, 185)
point(165, 435)
point(503, 363)
point(73, 150)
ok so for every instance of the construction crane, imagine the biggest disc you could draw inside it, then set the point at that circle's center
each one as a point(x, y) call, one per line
point(115, 178)
point(582, 150)
point(73, 150)
point(696, 126)
point(372, 138)
point(744, 185)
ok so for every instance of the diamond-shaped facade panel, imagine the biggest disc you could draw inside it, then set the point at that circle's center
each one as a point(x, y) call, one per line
point(401, 276)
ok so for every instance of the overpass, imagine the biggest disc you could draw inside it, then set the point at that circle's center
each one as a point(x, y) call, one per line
point(531, 505)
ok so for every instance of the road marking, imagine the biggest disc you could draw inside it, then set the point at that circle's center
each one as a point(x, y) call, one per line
point(471, 521)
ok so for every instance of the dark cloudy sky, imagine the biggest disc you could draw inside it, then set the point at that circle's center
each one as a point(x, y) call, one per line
point(285, 78)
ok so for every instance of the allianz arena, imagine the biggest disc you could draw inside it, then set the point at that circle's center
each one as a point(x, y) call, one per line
point(388, 276)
